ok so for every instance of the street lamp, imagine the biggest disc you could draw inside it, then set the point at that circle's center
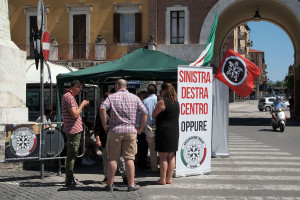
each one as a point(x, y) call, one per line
point(257, 15)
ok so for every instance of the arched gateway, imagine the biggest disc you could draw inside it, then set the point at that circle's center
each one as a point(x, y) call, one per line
point(284, 13)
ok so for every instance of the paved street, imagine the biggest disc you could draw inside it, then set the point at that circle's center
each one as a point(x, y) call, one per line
point(263, 164)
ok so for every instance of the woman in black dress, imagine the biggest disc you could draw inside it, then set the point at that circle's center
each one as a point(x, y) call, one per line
point(166, 114)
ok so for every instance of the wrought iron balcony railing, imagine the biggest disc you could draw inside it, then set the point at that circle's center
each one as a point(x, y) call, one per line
point(67, 51)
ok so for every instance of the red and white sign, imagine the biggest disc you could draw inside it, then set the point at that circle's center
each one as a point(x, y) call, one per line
point(46, 44)
point(194, 92)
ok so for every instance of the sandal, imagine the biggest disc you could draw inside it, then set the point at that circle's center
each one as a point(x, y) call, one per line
point(169, 182)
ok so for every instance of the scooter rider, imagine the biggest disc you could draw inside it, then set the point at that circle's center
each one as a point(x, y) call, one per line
point(276, 106)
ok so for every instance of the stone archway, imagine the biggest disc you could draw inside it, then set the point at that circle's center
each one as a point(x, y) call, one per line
point(284, 13)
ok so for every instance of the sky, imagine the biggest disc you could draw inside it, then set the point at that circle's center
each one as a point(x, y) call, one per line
point(278, 48)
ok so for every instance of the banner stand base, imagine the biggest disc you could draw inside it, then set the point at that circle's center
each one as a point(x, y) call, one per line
point(219, 155)
point(183, 174)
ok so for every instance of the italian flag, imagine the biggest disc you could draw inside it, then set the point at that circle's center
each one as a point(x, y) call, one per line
point(208, 51)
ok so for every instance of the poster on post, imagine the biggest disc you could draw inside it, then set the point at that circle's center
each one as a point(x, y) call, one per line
point(194, 92)
point(22, 142)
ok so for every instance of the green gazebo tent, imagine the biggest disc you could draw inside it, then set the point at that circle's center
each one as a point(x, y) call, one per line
point(141, 64)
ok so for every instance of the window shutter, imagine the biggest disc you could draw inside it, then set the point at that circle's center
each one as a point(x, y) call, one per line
point(138, 27)
point(33, 27)
point(116, 27)
point(79, 36)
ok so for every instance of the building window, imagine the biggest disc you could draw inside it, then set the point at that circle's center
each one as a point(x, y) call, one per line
point(31, 25)
point(79, 36)
point(79, 31)
point(127, 23)
point(33, 28)
point(127, 28)
point(177, 25)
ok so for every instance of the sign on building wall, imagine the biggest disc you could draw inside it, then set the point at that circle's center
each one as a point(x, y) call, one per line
point(195, 98)
point(22, 142)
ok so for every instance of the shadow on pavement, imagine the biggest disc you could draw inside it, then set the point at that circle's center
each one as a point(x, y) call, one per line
point(40, 184)
point(258, 122)
point(97, 168)
point(87, 169)
point(83, 188)
point(249, 121)
point(145, 173)
point(268, 130)
point(145, 183)
point(86, 187)
point(7, 179)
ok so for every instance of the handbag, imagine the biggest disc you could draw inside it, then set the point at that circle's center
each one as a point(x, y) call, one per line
point(150, 129)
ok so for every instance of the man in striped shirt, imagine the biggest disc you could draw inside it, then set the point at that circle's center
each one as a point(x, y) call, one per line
point(72, 127)
point(122, 131)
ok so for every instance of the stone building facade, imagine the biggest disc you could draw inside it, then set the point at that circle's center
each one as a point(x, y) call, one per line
point(176, 26)
point(83, 33)
point(258, 58)
point(179, 28)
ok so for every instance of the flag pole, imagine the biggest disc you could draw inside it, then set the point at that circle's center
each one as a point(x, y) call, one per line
point(229, 46)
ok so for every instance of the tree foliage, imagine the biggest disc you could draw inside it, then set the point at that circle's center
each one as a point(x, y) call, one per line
point(277, 84)
point(289, 82)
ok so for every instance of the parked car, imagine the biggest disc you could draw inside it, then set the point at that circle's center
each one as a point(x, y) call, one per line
point(265, 103)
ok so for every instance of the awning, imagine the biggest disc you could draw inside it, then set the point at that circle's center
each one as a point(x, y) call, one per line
point(33, 75)
point(142, 64)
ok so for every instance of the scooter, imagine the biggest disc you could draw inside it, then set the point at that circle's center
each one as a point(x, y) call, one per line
point(279, 121)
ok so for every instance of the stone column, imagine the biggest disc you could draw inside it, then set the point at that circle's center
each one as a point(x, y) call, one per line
point(12, 83)
point(100, 48)
point(297, 87)
point(13, 75)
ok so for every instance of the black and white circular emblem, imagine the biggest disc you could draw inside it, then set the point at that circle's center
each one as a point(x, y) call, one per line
point(193, 152)
point(234, 70)
point(22, 141)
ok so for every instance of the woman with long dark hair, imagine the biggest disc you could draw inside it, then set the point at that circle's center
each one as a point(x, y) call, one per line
point(166, 114)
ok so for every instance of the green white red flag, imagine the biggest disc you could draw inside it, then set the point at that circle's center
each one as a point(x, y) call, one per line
point(208, 51)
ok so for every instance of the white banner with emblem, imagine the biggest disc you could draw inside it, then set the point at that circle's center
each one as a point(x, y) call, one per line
point(194, 92)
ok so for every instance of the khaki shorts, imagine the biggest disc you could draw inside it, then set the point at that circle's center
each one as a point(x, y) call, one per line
point(121, 145)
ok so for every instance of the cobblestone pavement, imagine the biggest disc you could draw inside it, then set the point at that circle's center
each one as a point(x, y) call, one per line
point(28, 185)
point(263, 165)
point(254, 171)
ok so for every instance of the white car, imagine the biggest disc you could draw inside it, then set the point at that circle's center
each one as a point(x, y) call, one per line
point(265, 103)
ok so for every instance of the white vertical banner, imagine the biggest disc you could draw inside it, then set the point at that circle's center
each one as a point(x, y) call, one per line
point(194, 92)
